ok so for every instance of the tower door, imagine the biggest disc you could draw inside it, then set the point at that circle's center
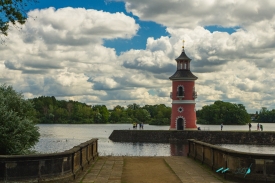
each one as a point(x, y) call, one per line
point(180, 124)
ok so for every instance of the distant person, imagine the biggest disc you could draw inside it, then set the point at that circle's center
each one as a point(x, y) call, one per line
point(221, 126)
point(199, 128)
point(250, 126)
point(258, 126)
point(134, 125)
point(139, 125)
point(142, 125)
point(261, 126)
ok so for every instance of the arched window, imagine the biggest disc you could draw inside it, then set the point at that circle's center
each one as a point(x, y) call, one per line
point(180, 91)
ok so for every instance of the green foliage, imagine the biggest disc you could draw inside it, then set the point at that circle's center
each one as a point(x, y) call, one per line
point(266, 116)
point(101, 114)
point(152, 114)
point(12, 11)
point(52, 111)
point(18, 132)
point(119, 115)
point(160, 114)
point(223, 112)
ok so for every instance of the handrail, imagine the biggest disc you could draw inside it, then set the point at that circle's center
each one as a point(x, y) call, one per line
point(234, 165)
point(46, 167)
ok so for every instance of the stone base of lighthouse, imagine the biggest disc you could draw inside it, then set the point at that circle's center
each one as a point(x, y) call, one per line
point(183, 117)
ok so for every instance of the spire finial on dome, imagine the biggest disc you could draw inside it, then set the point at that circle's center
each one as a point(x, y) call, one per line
point(183, 45)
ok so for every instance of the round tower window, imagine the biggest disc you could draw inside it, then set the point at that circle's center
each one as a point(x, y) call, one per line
point(180, 109)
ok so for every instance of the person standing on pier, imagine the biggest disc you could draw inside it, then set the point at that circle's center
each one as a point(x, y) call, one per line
point(221, 126)
point(250, 126)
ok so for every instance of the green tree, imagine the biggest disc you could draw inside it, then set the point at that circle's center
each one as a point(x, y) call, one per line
point(13, 11)
point(97, 116)
point(101, 114)
point(160, 114)
point(18, 132)
point(61, 115)
point(223, 112)
point(266, 116)
point(142, 115)
point(117, 115)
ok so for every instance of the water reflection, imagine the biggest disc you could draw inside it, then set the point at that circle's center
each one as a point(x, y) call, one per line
point(143, 149)
point(57, 138)
point(61, 137)
point(179, 149)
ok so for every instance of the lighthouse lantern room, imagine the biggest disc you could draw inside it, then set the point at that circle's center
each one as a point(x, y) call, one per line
point(183, 95)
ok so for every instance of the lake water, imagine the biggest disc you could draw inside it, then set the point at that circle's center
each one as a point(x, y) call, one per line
point(61, 137)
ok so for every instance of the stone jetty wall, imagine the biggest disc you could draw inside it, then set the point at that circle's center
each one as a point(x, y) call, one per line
point(212, 137)
point(54, 167)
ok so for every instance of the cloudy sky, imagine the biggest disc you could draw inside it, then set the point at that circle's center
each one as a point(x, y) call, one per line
point(119, 52)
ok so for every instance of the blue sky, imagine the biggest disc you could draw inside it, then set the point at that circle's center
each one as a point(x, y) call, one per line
point(147, 28)
point(119, 52)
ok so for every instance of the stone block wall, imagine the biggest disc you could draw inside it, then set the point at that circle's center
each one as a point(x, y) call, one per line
point(212, 137)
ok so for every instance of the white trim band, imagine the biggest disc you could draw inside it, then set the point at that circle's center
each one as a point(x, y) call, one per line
point(183, 102)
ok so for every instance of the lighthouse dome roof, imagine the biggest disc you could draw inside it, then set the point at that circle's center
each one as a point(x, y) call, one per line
point(183, 75)
point(183, 56)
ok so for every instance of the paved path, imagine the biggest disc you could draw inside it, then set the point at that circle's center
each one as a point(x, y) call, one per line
point(110, 170)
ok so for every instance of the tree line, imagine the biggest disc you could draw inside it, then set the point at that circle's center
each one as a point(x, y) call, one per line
point(265, 115)
point(52, 111)
point(223, 112)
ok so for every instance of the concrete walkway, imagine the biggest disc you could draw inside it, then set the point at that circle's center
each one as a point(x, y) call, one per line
point(110, 169)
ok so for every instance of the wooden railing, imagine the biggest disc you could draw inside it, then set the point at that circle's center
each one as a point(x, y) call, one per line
point(54, 167)
point(234, 165)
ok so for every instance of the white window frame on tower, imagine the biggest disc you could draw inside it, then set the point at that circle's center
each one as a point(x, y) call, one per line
point(178, 91)
point(195, 95)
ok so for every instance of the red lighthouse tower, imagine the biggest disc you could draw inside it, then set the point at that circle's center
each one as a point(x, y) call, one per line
point(183, 96)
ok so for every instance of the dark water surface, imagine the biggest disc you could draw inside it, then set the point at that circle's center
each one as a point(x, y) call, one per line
point(61, 137)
